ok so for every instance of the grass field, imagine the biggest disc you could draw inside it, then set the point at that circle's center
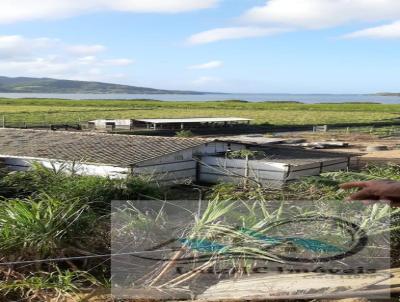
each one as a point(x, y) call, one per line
point(52, 111)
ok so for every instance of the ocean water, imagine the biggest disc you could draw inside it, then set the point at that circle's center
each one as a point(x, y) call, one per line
point(262, 97)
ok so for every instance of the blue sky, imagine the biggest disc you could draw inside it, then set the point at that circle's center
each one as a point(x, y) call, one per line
point(276, 46)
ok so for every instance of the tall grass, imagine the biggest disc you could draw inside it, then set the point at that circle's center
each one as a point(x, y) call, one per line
point(42, 227)
point(238, 235)
point(232, 209)
point(55, 213)
point(59, 285)
point(37, 112)
point(63, 183)
point(51, 212)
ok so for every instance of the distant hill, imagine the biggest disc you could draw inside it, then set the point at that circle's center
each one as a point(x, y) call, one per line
point(389, 93)
point(48, 85)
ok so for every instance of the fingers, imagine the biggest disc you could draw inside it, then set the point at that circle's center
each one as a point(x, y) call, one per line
point(395, 201)
point(355, 184)
point(396, 204)
point(373, 191)
point(364, 194)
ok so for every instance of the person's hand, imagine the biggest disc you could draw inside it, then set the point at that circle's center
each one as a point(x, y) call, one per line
point(375, 191)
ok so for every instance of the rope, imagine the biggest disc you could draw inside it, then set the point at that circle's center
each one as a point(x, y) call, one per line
point(80, 257)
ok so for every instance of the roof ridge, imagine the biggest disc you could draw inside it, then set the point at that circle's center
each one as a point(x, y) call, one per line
point(93, 133)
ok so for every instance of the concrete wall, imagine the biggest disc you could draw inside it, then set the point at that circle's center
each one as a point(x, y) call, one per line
point(180, 167)
point(23, 164)
point(219, 169)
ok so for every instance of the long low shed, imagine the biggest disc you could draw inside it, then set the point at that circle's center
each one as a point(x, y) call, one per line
point(189, 123)
point(166, 123)
point(165, 160)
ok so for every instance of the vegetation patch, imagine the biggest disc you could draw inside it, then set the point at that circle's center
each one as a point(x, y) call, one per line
point(39, 112)
point(53, 214)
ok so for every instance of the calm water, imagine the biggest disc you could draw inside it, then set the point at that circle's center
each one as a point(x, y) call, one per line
point(305, 98)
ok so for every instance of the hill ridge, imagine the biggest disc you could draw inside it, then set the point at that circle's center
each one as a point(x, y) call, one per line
point(51, 85)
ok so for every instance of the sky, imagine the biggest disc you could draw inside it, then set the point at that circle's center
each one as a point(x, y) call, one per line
point(238, 46)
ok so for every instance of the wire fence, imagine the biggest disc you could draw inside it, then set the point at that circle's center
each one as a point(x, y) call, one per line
point(45, 121)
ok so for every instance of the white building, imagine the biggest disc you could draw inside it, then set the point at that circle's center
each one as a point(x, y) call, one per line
point(109, 124)
point(168, 123)
point(166, 160)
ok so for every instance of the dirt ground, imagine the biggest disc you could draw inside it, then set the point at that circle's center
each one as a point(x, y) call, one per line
point(358, 144)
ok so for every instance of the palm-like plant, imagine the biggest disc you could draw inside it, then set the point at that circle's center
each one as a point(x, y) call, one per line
point(41, 227)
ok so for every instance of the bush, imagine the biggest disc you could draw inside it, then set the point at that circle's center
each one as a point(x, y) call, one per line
point(43, 286)
point(44, 226)
point(64, 185)
point(243, 154)
point(184, 133)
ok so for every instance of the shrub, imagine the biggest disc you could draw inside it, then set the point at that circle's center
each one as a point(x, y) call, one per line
point(184, 133)
point(243, 154)
point(64, 185)
point(42, 286)
point(42, 227)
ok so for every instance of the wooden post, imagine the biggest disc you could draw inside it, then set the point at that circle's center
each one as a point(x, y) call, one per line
point(246, 171)
point(4, 121)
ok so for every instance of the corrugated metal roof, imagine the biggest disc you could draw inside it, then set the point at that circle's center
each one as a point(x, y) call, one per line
point(88, 147)
point(251, 139)
point(193, 120)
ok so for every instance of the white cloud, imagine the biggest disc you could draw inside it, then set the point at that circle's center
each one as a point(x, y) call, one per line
point(43, 57)
point(389, 31)
point(204, 80)
point(208, 65)
point(93, 60)
point(25, 10)
point(277, 16)
point(86, 50)
point(315, 14)
point(160, 6)
point(118, 62)
point(228, 33)
point(18, 46)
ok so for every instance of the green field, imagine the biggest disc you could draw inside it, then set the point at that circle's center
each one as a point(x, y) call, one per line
point(52, 111)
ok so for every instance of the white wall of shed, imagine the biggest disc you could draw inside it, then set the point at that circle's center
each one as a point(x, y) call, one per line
point(218, 169)
point(117, 122)
point(180, 167)
point(317, 168)
point(101, 124)
point(24, 164)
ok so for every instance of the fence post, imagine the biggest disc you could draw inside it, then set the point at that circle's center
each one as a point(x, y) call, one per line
point(246, 172)
point(4, 121)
